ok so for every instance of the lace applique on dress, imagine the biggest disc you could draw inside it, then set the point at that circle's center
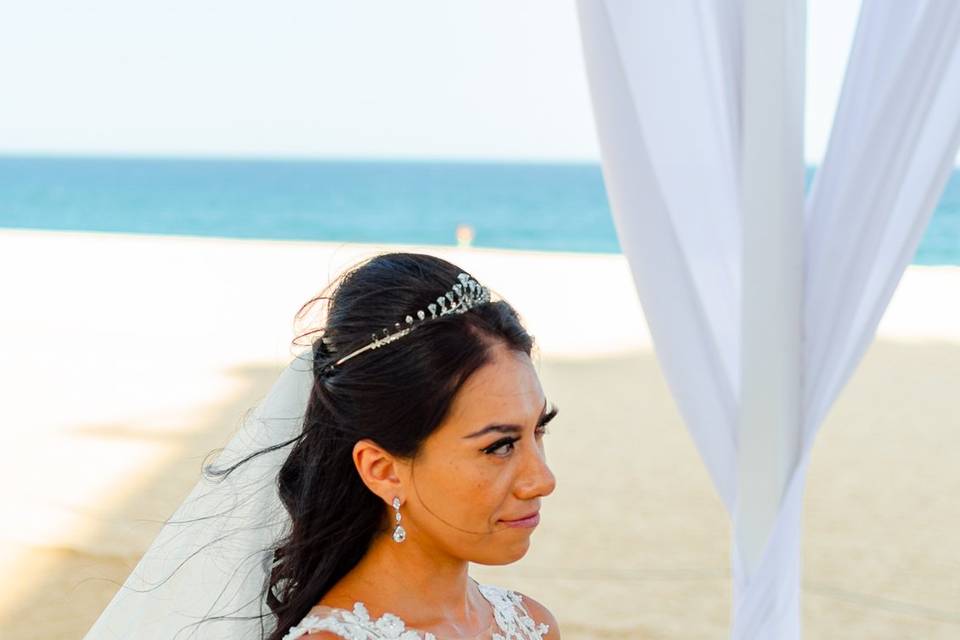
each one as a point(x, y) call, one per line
point(511, 615)
point(508, 611)
point(357, 625)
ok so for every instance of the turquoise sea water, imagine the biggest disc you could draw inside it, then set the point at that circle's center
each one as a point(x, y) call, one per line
point(551, 207)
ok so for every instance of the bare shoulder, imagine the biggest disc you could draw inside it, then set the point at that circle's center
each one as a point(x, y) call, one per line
point(541, 614)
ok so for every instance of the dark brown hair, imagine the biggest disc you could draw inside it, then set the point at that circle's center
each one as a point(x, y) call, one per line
point(395, 395)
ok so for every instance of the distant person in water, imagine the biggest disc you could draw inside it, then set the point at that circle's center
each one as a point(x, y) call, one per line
point(464, 236)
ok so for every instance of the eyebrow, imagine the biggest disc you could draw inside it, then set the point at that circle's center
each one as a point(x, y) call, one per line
point(505, 428)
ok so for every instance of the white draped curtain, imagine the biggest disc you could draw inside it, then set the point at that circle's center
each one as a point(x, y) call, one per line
point(667, 84)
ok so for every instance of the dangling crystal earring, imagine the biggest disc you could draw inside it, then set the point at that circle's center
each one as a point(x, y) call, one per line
point(399, 535)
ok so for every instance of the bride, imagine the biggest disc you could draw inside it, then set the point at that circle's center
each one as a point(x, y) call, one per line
point(410, 446)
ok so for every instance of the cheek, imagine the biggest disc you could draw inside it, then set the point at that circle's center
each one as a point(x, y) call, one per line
point(475, 489)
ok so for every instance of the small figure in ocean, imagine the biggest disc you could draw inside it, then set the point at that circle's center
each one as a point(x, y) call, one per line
point(464, 236)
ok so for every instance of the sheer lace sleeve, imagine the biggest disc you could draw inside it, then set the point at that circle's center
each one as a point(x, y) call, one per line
point(355, 625)
point(512, 617)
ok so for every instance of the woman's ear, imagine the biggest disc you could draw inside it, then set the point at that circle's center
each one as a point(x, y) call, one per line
point(378, 469)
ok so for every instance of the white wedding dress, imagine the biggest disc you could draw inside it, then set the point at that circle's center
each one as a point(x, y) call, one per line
point(511, 622)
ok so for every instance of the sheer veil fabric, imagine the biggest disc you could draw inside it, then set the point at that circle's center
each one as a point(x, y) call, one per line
point(213, 555)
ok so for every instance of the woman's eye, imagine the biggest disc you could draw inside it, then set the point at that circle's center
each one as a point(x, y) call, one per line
point(500, 448)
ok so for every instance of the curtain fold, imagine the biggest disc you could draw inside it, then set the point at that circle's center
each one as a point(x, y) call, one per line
point(686, 275)
point(891, 151)
point(666, 86)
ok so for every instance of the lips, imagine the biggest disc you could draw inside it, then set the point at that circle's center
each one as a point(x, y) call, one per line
point(526, 517)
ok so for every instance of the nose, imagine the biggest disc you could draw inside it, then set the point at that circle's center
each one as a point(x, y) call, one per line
point(535, 478)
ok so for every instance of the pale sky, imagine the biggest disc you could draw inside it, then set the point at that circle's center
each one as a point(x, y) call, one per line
point(490, 79)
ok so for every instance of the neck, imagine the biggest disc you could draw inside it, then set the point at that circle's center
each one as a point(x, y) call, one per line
point(398, 575)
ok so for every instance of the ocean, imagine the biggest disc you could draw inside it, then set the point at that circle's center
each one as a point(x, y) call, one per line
point(544, 207)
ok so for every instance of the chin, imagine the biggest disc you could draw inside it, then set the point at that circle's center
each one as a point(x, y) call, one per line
point(504, 553)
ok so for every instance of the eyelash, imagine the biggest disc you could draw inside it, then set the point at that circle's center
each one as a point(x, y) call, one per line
point(499, 444)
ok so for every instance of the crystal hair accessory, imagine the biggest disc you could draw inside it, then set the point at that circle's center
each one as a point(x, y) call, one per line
point(462, 297)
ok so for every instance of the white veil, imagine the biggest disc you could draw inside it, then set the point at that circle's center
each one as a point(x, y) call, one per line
point(213, 556)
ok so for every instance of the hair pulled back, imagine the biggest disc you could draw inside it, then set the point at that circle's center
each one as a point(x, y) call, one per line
point(395, 395)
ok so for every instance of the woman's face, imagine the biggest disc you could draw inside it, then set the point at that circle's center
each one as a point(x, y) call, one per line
point(485, 464)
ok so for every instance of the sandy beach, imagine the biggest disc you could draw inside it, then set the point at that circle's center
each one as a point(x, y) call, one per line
point(128, 358)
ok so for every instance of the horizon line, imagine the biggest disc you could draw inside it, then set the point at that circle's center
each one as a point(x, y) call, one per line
point(268, 157)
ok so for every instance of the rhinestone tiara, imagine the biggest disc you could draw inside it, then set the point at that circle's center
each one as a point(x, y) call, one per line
point(463, 296)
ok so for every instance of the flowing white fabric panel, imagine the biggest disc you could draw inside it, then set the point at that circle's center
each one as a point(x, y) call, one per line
point(674, 195)
point(894, 139)
point(891, 151)
point(665, 80)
